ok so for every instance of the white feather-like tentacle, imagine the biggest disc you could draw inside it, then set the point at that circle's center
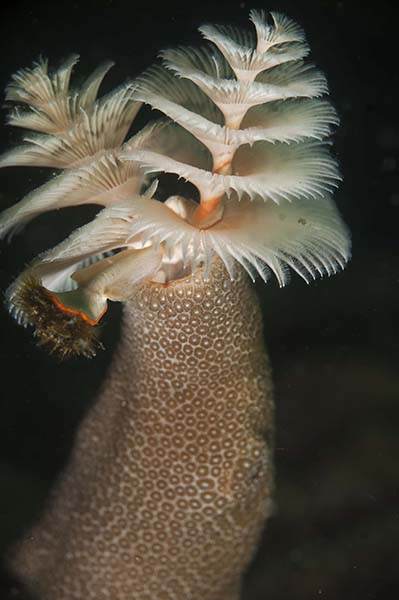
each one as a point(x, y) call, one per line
point(234, 97)
point(104, 180)
point(270, 171)
point(308, 236)
point(104, 127)
point(247, 61)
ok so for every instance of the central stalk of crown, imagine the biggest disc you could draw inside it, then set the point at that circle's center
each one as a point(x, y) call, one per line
point(210, 209)
point(208, 213)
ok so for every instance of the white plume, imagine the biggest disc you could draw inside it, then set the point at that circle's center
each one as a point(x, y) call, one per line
point(248, 124)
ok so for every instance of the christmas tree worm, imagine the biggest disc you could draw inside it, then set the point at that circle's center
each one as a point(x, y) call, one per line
point(170, 479)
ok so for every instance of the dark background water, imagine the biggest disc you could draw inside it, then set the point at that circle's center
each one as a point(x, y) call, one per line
point(334, 345)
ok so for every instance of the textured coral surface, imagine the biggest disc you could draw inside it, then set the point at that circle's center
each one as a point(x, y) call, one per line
point(169, 483)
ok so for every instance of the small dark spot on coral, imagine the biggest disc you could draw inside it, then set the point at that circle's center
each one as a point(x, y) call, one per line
point(302, 221)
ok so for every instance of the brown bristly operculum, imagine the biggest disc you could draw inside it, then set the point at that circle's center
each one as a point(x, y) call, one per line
point(64, 299)
point(61, 331)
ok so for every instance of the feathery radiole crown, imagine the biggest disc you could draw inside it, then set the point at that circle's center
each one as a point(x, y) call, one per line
point(246, 124)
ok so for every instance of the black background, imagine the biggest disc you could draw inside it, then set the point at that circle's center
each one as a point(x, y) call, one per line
point(334, 344)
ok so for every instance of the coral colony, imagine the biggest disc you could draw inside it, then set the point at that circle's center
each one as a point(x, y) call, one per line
point(170, 480)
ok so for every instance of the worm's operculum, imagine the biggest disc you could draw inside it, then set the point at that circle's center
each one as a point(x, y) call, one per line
point(63, 330)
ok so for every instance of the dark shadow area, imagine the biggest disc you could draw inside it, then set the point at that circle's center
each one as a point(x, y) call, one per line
point(333, 345)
